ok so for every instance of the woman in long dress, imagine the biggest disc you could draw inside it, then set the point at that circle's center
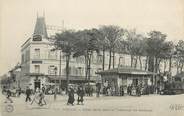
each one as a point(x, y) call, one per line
point(70, 96)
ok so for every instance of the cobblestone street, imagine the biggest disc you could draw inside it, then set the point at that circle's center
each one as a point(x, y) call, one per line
point(152, 105)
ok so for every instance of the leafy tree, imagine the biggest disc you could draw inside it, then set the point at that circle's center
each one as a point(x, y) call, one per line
point(102, 44)
point(112, 37)
point(180, 55)
point(155, 43)
point(167, 53)
point(65, 41)
point(136, 47)
point(86, 44)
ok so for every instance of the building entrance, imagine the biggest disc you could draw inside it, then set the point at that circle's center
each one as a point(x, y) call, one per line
point(37, 83)
point(135, 82)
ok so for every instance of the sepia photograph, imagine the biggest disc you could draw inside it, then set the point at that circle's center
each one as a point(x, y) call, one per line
point(92, 57)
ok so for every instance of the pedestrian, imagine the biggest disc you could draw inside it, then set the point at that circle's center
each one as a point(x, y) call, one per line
point(88, 90)
point(80, 93)
point(4, 90)
point(42, 96)
point(138, 90)
point(8, 95)
point(121, 91)
point(71, 98)
point(98, 87)
point(19, 91)
point(28, 94)
point(131, 88)
point(91, 91)
point(43, 88)
point(108, 91)
point(36, 96)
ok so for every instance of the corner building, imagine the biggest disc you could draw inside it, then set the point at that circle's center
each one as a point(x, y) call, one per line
point(38, 62)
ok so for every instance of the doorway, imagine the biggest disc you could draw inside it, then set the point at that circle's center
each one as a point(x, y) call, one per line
point(37, 83)
point(135, 82)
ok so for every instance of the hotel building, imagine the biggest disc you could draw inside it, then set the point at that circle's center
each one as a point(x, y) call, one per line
point(39, 61)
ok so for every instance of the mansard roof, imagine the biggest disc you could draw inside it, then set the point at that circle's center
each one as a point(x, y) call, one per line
point(40, 27)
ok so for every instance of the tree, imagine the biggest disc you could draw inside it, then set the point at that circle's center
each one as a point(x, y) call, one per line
point(102, 44)
point(154, 48)
point(166, 53)
point(86, 44)
point(180, 55)
point(135, 47)
point(113, 35)
point(65, 41)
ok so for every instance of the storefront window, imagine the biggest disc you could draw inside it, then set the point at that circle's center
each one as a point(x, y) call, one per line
point(37, 68)
point(51, 70)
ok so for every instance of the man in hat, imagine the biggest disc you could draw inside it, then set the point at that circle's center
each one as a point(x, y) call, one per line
point(80, 93)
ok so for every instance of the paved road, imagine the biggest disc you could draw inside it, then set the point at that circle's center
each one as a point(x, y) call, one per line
point(150, 105)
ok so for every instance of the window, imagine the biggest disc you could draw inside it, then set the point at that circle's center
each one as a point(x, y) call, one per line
point(79, 71)
point(37, 53)
point(51, 70)
point(52, 54)
point(80, 59)
point(144, 63)
point(145, 81)
point(63, 57)
point(113, 58)
point(70, 70)
point(37, 38)
point(22, 58)
point(99, 59)
point(99, 69)
point(37, 68)
point(27, 55)
point(121, 61)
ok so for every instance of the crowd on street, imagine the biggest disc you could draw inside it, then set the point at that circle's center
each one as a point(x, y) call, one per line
point(38, 96)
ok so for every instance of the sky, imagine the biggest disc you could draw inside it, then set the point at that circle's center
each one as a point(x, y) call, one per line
point(18, 17)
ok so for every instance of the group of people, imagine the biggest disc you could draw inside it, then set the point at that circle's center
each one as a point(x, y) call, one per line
point(131, 90)
point(89, 90)
point(11, 92)
point(109, 91)
point(80, 94)
point(39, 96)
point(134, 90)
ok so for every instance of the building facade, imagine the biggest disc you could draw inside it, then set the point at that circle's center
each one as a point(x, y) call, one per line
point(39, 62)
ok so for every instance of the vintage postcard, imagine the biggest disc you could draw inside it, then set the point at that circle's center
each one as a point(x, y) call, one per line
point(92, 57)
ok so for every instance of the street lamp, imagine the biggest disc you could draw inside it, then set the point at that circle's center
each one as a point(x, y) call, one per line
point(55, 90)
point(60, 51)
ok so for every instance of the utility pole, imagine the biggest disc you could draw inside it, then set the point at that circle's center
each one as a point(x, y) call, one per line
point(89, 66)
point(60, 71)
point(55, 90)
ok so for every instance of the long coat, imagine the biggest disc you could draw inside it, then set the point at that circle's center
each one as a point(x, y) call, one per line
point(71, 96)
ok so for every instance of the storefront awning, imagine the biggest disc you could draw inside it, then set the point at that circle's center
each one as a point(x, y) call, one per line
point(72, 78)
point(126, 70)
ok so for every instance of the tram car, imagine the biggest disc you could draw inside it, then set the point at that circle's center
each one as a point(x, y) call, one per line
point(173, 88)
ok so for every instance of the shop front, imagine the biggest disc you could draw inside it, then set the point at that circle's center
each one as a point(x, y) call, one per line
point(33, 81)
point(123, 77)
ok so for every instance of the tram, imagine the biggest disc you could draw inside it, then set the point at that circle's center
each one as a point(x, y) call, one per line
point(173, 88)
